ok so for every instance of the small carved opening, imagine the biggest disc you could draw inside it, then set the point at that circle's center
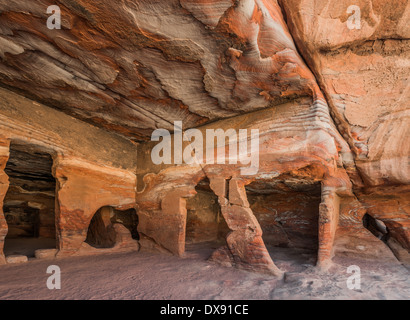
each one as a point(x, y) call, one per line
point(129, 219)
point(376, 227)
point(205, 224)
point(102, 232)
point(29, 205)
point(287, 210)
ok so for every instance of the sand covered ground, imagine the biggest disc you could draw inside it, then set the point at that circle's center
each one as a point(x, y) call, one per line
point(147, 275)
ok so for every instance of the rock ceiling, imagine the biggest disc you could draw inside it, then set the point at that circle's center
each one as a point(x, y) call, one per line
point(134, 66)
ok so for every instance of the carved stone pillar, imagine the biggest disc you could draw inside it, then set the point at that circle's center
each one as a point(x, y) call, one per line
point(328, 222)
point(245, 247)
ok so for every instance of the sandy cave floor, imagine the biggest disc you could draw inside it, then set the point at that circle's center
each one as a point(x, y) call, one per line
point(147, 275)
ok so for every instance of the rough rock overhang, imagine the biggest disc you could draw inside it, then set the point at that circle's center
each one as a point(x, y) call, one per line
point(134, 66)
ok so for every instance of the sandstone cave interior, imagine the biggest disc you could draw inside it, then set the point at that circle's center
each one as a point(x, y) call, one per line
point(29, 205)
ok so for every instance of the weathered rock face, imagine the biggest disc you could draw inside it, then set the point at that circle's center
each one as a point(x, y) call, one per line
point(364, 75)
point(330, 104)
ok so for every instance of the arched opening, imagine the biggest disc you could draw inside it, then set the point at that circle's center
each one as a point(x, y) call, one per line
point(29, 205)
point(288, 212)
point(206, 228)
point(129, 219)
point(102, 232)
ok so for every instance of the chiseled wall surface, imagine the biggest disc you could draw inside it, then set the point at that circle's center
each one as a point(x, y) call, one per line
point(93, 168)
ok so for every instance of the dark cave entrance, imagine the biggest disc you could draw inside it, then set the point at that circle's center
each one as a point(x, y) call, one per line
point(129, 219)
point(206, 229)
point(287, 210)
point(101, 232)
point(376, 227)
point(29, 204)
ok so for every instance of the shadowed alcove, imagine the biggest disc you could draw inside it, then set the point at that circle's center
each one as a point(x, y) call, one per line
point(206, 228)
point(288, 211)
point(29, 205)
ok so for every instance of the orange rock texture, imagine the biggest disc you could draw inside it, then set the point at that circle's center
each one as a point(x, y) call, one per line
point(330, 104)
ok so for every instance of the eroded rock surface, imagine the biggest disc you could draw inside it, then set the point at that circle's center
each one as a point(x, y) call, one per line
point(364, 75)
point(131, 67)
point(330, 104)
